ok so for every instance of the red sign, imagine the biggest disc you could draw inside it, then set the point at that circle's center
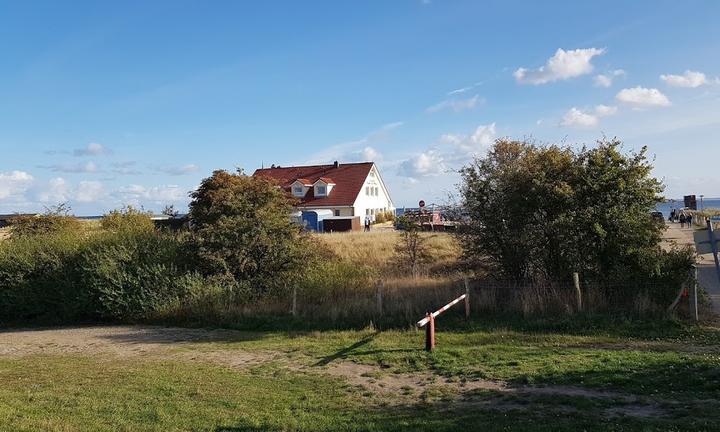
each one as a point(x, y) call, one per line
point(421, 203)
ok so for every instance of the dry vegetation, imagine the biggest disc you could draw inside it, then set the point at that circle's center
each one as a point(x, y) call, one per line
point(377, 250)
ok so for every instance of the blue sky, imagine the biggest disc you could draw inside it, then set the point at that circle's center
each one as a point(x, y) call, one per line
point(134, 102)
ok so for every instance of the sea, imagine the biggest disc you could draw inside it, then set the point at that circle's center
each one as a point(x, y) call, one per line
point(678, 203)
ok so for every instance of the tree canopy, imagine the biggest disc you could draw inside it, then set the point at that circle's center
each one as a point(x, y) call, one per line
point(242, 229)
point(544, 211)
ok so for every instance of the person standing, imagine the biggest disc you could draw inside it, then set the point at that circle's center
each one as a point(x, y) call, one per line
point(682, 220)
point(689, 220)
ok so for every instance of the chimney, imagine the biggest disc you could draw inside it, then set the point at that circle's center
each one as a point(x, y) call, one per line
point(336, 165)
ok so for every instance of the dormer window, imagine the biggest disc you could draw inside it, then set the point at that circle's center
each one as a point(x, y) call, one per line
point(320, 190)
point(298, 191)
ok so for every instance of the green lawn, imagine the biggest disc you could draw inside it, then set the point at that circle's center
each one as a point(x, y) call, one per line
point(674, 373)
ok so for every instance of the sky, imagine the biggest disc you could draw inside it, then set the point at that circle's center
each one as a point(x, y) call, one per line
point(105, 104)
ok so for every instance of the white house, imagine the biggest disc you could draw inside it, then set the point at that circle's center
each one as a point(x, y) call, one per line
point(352, 189)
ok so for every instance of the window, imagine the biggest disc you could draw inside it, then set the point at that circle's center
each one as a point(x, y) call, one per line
point(367, 212)
point(372, 212)
point(367, 190)
point(297, 190)
point(337, 212)
point(377, 190)
point(320, 190)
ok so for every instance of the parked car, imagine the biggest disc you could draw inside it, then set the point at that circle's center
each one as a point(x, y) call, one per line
point(658, 217)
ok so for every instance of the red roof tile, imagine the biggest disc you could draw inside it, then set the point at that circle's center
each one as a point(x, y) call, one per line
point(348, 178)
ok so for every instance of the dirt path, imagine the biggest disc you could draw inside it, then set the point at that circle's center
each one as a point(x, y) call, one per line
point(707, 276)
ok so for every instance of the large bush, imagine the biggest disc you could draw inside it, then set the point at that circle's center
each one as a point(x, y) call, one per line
point(126, 273)
point(242, 231)
point(543, 212)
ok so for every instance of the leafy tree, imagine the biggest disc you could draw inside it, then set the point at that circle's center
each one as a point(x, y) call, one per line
point(411, 250)
point(242, 230)
point(542, 212)
point(169, 210)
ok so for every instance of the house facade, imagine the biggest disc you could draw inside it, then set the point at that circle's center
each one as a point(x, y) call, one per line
point(341, 190)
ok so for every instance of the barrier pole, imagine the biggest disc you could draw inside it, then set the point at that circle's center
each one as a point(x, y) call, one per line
point(467, 299)
point(430, 333)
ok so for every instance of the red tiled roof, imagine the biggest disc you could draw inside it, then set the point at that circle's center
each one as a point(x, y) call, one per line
point(348, 178)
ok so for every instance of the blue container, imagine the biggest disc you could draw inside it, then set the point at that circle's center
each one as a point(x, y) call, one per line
point(313, 219)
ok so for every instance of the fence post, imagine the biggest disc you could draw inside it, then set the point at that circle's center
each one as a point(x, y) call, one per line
point(578, 293)
point(694, 295)
point(430, 333)
point(294, 301)
point(378, 297)
point(467, 299)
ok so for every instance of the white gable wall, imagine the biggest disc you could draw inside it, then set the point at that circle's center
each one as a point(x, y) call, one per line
point(373, 197)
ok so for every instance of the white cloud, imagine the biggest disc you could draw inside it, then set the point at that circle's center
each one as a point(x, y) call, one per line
point(425, 164)
point(584, 119)
point(89, 191)
point(464, 89)
point(354, 151)
point(689, 79)
point(14, 183)
point(561, 66)
point(92, 149)
point(57, 191)
point(451, 153)
point(641, 97)
point(136, 194)
point(576, 118)
point(606, 80)
point(180, 170)
point(456, 105)
point(87, 167)
point(126, 168)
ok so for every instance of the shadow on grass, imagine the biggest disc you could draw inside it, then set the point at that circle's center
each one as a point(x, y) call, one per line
point(347, 350)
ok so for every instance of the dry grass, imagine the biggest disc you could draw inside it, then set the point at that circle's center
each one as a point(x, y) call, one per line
point(376, 249)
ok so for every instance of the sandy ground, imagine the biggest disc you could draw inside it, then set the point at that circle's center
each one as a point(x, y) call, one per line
point(707, 275)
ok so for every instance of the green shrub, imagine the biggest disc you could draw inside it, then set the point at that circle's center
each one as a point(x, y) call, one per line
point(131, 273)
point(127, 219)
point(55, 220)
point(37, 277)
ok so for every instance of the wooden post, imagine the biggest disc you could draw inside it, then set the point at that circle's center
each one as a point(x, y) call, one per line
point(430, 333)
point(694, 295)
point(378, 297)
point(578, 293)
point(467, 299)
point(294, 302)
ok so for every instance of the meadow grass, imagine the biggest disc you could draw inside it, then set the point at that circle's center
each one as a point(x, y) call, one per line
point(676, 369)
point(376, 249)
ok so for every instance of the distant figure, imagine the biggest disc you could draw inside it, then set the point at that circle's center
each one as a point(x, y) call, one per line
point(682, 220)
point(367, 223)
point(672, 215)
point(689, 220)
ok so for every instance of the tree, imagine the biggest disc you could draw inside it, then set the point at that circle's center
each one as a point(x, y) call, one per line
point(169, 210)
point(542, 212)
point(242, 230)
point(411, 250)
